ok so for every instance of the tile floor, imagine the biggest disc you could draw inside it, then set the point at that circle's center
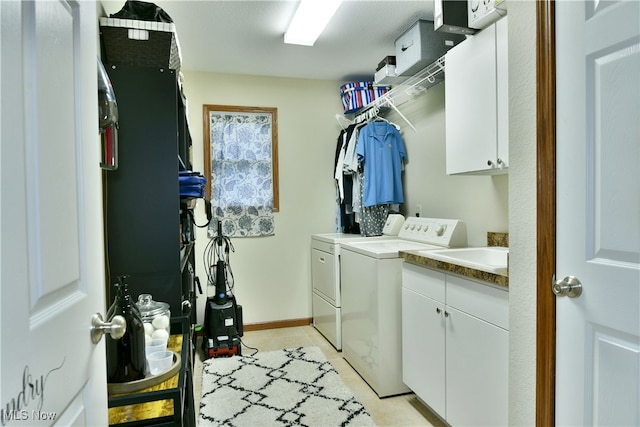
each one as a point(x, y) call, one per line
point(404, 410)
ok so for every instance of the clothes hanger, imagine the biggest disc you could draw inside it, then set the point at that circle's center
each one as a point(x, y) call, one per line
point(378, 117)
point(362, 117)
point(341, 117)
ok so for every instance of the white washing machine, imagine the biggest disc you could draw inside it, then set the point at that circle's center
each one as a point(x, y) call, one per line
point(371, 273)
point(325, 276)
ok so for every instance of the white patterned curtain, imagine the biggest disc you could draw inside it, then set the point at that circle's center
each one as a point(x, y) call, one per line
point(241, 173)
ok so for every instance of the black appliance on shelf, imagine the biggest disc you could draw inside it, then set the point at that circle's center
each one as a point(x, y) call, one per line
point(451, 16)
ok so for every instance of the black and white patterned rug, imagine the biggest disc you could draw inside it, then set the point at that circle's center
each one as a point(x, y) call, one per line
point(290, 387)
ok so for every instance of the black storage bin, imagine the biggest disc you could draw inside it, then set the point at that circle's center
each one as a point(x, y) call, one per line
point(139, 43)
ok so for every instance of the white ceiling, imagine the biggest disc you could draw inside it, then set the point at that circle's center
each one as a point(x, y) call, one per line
point(246, 37)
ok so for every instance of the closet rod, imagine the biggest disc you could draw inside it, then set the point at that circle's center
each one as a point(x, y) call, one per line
point(373, 109)
point(409, 87)
point(392, 105)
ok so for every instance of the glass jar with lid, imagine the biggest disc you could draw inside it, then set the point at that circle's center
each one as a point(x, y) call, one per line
point(156, 317)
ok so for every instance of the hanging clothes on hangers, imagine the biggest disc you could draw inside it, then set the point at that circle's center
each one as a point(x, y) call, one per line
point(344, 140)
point(369, 160)
point(382, 153)
point(346, 220)
point(371, 218)
point(350, 169)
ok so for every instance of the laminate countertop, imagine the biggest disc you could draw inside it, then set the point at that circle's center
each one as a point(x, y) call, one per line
point(414, 257)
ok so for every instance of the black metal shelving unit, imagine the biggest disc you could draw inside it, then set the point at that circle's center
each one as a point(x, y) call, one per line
point(142, 197)
point(147, 234)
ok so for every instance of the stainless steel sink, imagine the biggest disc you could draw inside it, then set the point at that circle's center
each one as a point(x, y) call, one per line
point(492, 259)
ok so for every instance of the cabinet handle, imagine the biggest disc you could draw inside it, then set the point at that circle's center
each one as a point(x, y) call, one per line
point(446, 314)
point(322, 259)
point(438, 310)
point(499, 163)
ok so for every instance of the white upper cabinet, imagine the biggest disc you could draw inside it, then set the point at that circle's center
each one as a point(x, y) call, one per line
point(477, 103)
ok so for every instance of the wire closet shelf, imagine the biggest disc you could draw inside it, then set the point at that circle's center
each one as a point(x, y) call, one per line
point(405, 91)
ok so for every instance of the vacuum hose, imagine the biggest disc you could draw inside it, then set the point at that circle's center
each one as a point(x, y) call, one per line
point(221, 283)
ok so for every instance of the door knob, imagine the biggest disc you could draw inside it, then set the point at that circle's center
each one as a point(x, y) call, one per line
point(116, 328)
point(568, 287)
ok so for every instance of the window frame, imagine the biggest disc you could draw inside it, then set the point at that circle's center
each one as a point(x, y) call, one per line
point(207, 142)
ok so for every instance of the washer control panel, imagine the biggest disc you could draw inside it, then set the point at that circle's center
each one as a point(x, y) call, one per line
point(449, 233)
point(393, 225)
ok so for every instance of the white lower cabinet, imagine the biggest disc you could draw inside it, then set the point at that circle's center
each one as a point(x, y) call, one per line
point(427, 380)
point(455, 346)
point(476, 371)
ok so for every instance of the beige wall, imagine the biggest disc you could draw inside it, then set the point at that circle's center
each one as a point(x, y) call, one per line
point(522, 213)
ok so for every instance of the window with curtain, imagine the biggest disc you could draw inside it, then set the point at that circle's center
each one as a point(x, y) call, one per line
point(241, 152)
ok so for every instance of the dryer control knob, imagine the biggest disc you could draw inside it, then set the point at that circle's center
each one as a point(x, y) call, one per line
point(440, 230)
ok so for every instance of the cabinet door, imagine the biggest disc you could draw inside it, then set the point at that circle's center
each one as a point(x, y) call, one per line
point(471, 104)
point(423, 351)
point(502, 87)
point(477, 371)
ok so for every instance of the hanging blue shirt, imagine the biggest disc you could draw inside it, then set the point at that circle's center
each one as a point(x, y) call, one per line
point(381, 151)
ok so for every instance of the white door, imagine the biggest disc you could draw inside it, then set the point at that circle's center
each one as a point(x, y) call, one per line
point(52, 261)
point(598, 212)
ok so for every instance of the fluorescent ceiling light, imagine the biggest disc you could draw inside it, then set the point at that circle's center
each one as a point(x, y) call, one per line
point(309, 21)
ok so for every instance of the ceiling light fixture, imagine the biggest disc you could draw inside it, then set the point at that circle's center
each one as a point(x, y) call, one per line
point(309, 21)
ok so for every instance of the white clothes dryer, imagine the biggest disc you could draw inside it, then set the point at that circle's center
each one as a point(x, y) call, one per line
point(325, 276)
point(371, 274)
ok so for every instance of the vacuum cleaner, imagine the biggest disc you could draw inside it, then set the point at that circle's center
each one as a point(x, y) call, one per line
point(223, 315)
